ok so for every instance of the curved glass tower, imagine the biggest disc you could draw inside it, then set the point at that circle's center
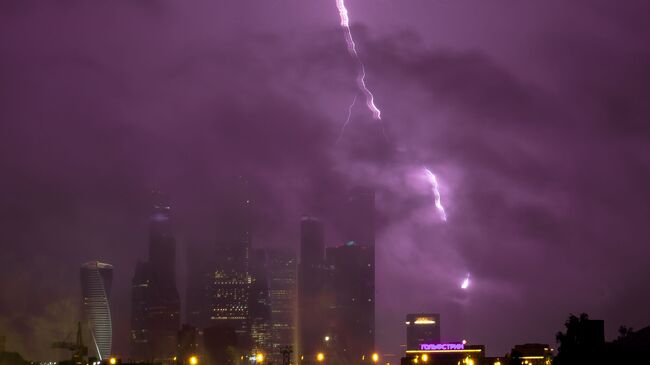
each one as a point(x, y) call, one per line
point(96, 279)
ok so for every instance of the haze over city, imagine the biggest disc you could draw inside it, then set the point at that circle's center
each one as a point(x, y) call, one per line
point(509, 167)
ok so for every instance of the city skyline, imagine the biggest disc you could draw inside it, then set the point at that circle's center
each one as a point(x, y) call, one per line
point(509, 161)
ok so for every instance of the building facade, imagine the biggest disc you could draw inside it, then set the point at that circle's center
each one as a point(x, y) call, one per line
point(422, 328)
point(283, 296)
point(351, 306)
point(312, 301)
point(96, 281)
point(155, 303)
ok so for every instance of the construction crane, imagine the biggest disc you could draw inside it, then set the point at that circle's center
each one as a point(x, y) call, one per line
point(77, 348)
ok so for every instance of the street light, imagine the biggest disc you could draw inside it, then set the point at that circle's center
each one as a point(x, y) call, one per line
point(112, 360)
point(193, 360)
point(375, 357)
point(259, 357)
point(425, 357)
point(320, 357)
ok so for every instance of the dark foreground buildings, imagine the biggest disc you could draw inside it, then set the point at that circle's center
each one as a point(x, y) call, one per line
point(155, 316)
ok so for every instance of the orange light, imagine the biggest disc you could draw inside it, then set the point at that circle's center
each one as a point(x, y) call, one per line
point(193, 360)
point(425, 357)
point(320, 357)
point(375, 357)
point(259, 357)
point(112, 361)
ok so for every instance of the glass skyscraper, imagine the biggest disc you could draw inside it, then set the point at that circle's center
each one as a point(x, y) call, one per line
point(96, 279)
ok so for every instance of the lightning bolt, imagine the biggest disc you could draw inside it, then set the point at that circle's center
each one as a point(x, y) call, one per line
point(436, 193)
point(346, 120)
point(465, 283)
point(352, 49)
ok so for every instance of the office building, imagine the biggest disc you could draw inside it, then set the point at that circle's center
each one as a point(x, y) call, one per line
point(283, 296)
point(351, 295)
point(260, 303)
point(532, 354)
point(96, 280)
point(312, 302)
point(422, 328)
point(155, 301)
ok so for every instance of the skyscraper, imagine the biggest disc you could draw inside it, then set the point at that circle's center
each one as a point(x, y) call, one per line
point(230, 290)
point(283, 294)
point(351, 284)
point(312, 304)
point(231, 279)
point(96, 280)
point(351, 280)
point(260, 302)
point(155, 300)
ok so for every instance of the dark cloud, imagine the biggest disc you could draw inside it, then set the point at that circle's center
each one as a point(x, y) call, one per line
point(543, 174)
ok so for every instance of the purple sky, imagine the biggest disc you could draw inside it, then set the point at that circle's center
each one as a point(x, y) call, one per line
point(533, 114)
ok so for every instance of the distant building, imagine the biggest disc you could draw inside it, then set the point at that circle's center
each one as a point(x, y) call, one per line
point(312, 303)
point(532, 354)
point(260, 303)
point(198, 292)
point(155, 301)
point(351, 280)
point(351, 289)
point(230, 290)
point(231, 280)
point(283, 295)
point(96, 280)
point(422, 328)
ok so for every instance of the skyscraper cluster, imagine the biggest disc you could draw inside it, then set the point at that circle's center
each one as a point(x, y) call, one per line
point(242, 300)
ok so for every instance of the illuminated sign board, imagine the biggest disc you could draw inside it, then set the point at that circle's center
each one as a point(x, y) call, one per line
point(441, 346)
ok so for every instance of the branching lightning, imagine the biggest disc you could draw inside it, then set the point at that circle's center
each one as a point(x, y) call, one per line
point(436, 194)
point(352, 49)
point(347, 120)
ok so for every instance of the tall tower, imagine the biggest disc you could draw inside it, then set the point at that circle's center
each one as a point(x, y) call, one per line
point(231, 279)
point(155, 301)
point(351, 279)
point(96, 280)
point(283, 295)
point(312, 301)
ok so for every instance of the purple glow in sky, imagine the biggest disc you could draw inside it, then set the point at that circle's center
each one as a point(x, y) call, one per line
point(533, 114)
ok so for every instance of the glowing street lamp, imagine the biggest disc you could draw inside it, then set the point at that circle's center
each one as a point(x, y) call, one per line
point(425, 357)
point(259, 357)
point(320, 357)
point(112, 360)
point(193, 360)
point(375, 357)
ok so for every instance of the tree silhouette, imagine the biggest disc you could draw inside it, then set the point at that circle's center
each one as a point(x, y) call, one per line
point(582, 343)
